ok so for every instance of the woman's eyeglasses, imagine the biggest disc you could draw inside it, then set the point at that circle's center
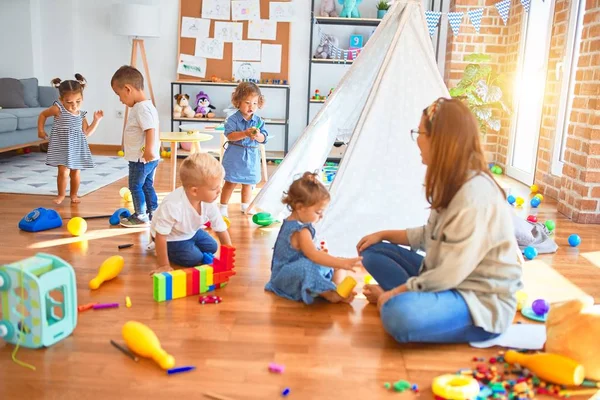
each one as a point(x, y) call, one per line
point(414, 134)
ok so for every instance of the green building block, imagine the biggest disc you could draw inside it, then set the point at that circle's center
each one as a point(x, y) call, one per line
point(203, 284)
point(159, 282)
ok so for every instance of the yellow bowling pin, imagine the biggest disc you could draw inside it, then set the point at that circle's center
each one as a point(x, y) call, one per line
point(110, 268)
point(549, 367)
point(345, 287)
point(141, 340)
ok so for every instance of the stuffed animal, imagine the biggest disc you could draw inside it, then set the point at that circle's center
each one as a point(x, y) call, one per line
point(328, 8)
point(350, 8)
point(182, 107)
point(203, 106)
point(325, 49)
point(572, 330)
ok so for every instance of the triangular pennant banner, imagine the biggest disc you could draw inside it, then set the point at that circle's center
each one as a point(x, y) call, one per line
point(455, 18)
point(433, 18)
point(503, 8)
point(475, 17)
point(525, 4)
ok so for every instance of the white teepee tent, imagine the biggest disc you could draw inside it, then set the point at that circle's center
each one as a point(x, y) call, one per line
point(379, 184)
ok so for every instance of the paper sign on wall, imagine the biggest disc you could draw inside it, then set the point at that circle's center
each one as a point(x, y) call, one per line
point(246, 70)
point(209, 48)
point(228, 31)
point(245, 10)
point(271, 58)
point(281, 11)
point(194, 27)
point(262, 29)
point(191, 65)
point(216, 9)
point(248, 50)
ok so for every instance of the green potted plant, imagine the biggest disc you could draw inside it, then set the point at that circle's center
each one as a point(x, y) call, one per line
point(382, 8)
point(480, 87)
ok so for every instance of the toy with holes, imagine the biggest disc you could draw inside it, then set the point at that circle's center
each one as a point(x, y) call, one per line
point(38, 299)
point(40, 219)
point(191, 281)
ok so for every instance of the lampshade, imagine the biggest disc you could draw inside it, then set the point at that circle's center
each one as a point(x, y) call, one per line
point(135, 20)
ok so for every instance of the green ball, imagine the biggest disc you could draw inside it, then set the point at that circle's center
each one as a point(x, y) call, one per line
point(387, 385)
point(497, 170)
point(550, 225)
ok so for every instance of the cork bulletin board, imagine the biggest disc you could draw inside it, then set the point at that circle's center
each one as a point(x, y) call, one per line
point(223, 68)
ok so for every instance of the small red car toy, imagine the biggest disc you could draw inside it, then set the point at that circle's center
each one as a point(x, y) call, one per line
point(209, 299)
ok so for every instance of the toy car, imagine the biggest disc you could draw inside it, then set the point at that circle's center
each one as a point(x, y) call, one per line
point(209, 299)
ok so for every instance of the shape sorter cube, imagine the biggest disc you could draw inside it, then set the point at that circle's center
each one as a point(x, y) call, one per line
point(191, 281)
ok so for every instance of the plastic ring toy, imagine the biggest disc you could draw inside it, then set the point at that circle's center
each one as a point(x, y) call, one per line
point(455, 387)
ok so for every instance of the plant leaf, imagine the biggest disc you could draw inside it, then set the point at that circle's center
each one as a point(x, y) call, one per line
point(494, 94)
point(481, 88)
point(478, 58)
point(457, 92)
point(471, 72)
point(494, 124)
point(483, 113)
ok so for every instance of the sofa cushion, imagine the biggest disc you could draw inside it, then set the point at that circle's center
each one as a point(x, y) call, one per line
point(11, 93)
point(30, 91)
point(47, 95)
point(26, 117)
point(8, 123)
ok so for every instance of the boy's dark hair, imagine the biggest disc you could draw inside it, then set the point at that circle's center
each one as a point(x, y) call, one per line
point(306, 191)
point(70, 86)
point(128, 75)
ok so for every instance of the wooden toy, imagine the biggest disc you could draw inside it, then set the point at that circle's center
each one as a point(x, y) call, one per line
point(143, 341)
point(345, 288)
point(549, 367)
point(38, 296)
point(192, 281)
point(110, 268)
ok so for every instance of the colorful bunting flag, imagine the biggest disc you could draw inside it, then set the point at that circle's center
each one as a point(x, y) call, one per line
point(455, 18)
point(525, 4)
point(433, 18)
point(475, 17)
point(503, 8)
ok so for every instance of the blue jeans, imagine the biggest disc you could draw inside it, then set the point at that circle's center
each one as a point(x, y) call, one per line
point(190, 253)
point(424, 317)
point(141, 185)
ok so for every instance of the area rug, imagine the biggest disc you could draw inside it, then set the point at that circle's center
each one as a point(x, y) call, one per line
point(544, 282)
point(29, 174)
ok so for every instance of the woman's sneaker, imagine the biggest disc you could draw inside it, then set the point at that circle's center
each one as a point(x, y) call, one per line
point(135, 221)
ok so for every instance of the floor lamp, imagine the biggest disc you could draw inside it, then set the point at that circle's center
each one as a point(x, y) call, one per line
point(137, 21)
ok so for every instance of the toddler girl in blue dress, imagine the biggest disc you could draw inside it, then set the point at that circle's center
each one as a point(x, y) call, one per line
point(245, 131)
point(299, 270)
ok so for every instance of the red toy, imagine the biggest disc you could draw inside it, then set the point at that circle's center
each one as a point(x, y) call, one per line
point(532, 218)
point(209, 299)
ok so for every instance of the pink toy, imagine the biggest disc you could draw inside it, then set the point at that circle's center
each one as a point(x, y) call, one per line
point(203, 106)
point(328, 8)
point(276, 368)
point(209, 299)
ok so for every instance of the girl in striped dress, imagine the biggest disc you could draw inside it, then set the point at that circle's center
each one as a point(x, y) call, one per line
point(68, 148)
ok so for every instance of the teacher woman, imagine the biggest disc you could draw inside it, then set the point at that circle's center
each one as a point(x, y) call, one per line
point(463, 290)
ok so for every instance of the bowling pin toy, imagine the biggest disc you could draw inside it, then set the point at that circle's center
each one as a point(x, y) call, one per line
point(549, 367)
point(143, 341)
point(110, 268)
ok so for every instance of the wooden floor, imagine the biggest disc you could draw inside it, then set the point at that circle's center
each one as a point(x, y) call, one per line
point(329, 351)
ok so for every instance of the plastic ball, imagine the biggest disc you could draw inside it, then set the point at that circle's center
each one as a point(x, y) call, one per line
point(163, 154)
point(521, 299)
point(27, 150)
point(540, 306)
point(497, 170)
point(520, 201)
point(534, 188)
point(550, 225)
point(128, 197)
point(122, 191)
point(574, 240)
point(535, 202)
point(530, 252)
point(532, 218)
point(168, 154)
point(120, 153)
point(511, 199)
point(539, 196)
point(20, 151)
point(77, 226)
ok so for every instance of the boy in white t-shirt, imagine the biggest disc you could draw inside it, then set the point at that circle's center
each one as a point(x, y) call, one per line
point(141, 143)
point(177, 226)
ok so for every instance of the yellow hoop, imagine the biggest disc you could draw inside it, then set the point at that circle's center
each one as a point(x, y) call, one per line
point(455, 387)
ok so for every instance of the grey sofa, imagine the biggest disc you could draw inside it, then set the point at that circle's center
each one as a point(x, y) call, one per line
point(18, 124)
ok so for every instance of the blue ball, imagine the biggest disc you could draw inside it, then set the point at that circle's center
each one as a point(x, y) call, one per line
point(574, 240)
point(535, 202)
point(530, 252)
point(511, 199)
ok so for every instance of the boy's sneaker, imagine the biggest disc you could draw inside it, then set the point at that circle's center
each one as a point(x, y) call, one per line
point(135, 221)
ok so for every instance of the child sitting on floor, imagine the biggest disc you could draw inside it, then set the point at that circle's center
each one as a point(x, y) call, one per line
point(299, 271)
point(177, 226)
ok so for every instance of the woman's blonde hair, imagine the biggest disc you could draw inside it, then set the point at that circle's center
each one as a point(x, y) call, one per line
point(305, 191)
point(199, 167)
point(455, 150)
point(245, 89)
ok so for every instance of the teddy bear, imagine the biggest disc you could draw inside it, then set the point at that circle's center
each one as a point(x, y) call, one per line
point(572, 330)
point(328, 8)
point(203, 106)
point(182, 107)
point(327, 46)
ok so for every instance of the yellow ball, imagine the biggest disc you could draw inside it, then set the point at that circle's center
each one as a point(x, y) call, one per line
point(128, 197)
point(77, 226)
point(122, 191)
point(539, 196)
point(521, 299)
point(163, 154)
point(120, 153)
point(520, 201)
point(227, 222)
point(534, 188)
point(368, 279)
point(168, 154)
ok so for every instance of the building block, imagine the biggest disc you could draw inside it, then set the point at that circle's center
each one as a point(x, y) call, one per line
point(179, 284)
point(192, 280)
point(209, 275)
point(226, 259)
point(168, 286)
point(222, 285)
point(159, 287)
point(211, 288)
point(203, 273)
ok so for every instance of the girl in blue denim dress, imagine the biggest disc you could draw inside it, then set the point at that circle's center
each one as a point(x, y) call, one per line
point(244, 131)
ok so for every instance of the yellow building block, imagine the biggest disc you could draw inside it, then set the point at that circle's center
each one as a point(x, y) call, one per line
point(179, 284)
point(209, 275)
